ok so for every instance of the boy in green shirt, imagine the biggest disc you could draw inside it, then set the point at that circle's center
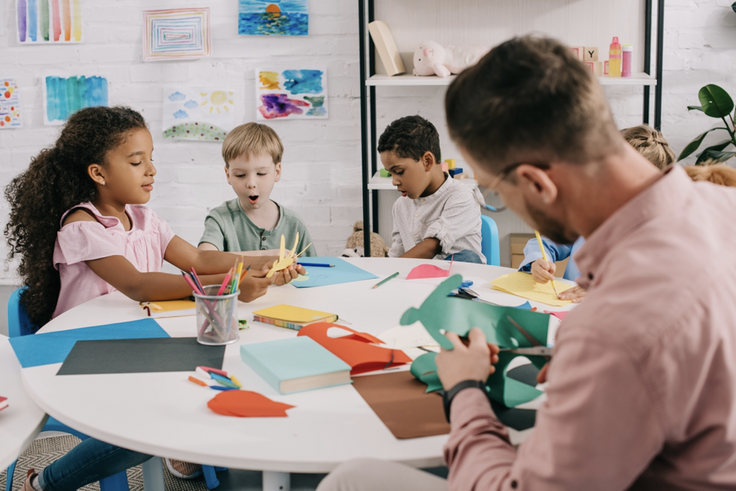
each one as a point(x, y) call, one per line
point(252, 221)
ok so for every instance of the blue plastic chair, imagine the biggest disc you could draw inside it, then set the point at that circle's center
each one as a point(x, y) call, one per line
point(19, 325)
point(489, 243)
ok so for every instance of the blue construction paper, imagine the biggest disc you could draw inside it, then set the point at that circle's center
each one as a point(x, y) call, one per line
point(53, 347)
point(525, 306)
point(343, 272)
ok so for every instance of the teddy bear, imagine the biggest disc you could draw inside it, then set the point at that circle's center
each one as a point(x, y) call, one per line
point(354, 245)
point(432, 58)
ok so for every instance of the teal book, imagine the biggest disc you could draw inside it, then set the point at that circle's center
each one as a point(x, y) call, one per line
point(295, 364)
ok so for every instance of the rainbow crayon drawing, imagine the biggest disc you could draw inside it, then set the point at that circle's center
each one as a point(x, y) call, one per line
point(49, 21)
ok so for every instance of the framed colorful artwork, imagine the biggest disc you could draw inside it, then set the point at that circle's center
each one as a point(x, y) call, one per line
point(199, 113)
point(176, 34)
point(291, 94)
point(63, 96)
point(273, 18)
point(49, 21)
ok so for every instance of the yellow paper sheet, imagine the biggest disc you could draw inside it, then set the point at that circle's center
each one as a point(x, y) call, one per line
point(522, 285)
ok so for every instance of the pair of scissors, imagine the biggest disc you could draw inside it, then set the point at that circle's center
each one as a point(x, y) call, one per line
point(536, 349)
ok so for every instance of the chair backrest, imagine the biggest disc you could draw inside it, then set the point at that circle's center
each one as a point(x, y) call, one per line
point(490, 244)
point(18, 323)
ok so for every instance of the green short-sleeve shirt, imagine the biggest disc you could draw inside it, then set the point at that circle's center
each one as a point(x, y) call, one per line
point(228, 228)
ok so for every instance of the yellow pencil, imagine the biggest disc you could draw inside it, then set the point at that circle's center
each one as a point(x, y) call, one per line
point(544, 256)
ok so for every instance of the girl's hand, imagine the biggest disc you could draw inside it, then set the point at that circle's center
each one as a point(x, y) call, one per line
point(575, 294)
point(288, 274)
point(254, 285)
point(543, 271)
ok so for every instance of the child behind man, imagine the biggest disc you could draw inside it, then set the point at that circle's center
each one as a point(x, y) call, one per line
point(436, 217)
point(252, 221)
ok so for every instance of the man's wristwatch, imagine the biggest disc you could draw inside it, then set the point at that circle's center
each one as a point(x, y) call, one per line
point(447, 396)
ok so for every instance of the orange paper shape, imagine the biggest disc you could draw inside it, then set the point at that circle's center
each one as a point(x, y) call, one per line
point(355, 349)
point(247, 404)
point(427, 271)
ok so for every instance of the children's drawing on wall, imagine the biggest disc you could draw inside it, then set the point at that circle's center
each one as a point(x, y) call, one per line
point(292, 94)
point(9, 104)
point(198, 113)
point(49, 21)
point(63, 96)
point(176, 34)
point(273, 18)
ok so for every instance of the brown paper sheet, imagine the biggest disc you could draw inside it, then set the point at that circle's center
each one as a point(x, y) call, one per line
point(400, 401)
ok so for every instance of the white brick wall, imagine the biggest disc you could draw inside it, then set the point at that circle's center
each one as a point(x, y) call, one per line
point(321, 168)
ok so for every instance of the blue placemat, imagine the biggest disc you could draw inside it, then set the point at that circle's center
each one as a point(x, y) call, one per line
point(343, 272)
point(53, 347)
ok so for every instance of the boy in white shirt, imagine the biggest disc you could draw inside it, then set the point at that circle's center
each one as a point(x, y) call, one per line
point(436, 217)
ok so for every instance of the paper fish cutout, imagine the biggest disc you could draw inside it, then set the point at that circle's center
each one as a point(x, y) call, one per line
point(522, 285)
point(247, 404)
point(427, 271)
point(355, 349)
point(425, 369)
point(284, 261)
point(453, 314)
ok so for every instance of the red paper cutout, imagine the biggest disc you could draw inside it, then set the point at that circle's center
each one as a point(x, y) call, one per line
point(559, 315)
point(427, 271)
point(247, 404)
point(355, 349)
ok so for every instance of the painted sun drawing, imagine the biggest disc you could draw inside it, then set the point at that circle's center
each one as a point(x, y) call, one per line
point(199, 114)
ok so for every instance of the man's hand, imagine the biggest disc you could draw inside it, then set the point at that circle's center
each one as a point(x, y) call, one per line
point(254, 284)
point(473, 362)
point(575, 294)
point(543, 271)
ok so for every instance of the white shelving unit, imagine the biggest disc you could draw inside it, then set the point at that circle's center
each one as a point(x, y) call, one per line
point(408, 80)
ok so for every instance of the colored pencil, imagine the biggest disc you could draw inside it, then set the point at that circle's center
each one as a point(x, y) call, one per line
point(189, 280)
point(544, 256)
point(386, 279)
point(224, 282)
point(245, 273)
point(318, 265)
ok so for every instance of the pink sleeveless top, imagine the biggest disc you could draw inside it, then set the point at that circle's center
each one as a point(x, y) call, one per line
point(144, 245)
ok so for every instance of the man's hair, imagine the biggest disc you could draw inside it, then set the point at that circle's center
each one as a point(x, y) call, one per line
point(530, 100)
point(650, 143)
point(411, 137)
point(252, 139)
point(717, 174)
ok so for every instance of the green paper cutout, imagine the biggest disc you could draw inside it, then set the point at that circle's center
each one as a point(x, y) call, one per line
point(458, 315)
point(425, 369)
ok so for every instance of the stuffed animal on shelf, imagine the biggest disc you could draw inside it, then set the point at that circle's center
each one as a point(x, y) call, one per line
point(354, 245)
point(434, 59)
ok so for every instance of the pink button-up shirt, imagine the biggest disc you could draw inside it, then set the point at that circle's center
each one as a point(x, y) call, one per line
point(642, 386)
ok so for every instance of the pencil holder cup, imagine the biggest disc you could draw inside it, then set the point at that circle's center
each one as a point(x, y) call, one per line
point(217, 317)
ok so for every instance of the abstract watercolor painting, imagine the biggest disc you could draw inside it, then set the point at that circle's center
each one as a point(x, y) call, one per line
point(273, 17)
point(49, 21)
point(291, 94)
point(176, 34)
point(9, 104)
point(63, 96)
point(199, 113)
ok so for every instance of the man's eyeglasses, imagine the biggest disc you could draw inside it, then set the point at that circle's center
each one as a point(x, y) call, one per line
point(505, 172)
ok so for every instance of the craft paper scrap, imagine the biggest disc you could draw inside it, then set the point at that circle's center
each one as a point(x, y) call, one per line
point(9, 104)
point(343, 272)
point(176, 34)
point(247, 404)
point(425, 369)
point(63, 96)
point(53, 347)
point(560, 315)
point(440, 312)
point(522, 285)
point(273, 18)
point(291, 94)
point(48, 21)
point(199, 113)
point(427, 271)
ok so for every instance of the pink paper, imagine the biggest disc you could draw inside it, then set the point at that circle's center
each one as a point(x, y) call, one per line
point(428, 271)
point(559, 315)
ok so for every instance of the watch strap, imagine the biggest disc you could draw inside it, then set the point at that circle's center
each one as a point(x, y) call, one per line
point(449, 395)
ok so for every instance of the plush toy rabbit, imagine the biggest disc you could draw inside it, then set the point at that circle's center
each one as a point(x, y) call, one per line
point(433, 59)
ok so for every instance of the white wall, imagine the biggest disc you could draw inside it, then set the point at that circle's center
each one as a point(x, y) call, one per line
point(321, 178)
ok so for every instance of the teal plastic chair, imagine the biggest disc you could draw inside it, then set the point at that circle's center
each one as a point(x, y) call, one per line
point(490, 244)
point(19, 325)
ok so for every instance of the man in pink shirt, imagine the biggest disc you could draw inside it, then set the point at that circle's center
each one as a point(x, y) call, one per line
point(641, 390)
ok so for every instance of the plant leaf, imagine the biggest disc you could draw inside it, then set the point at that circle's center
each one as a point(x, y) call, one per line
point(715, 101)
point(704, 155)
point(716, 156)
point(693, 145)
point(695, 108)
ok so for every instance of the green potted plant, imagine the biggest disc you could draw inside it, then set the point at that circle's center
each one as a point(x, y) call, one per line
point(716, 103)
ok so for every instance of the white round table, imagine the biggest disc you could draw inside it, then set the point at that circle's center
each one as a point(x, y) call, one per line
point(22, 420)
point(163, 414)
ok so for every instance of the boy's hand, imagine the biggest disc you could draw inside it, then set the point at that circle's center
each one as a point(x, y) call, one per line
point(575, 294)
point(466, 363)
point(543, 271)
point(254, 285)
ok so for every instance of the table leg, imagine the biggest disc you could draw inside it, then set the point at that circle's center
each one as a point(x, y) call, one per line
point(276, 481)
point(153, 474)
